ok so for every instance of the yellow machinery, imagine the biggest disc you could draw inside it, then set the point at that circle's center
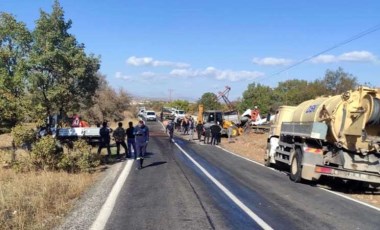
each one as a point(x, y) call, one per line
point(215, 116)
point(200, 113)
point(335, 136)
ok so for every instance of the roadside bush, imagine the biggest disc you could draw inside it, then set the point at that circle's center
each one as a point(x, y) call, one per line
point(23, 136)
point(79, 158)
point(46, 154)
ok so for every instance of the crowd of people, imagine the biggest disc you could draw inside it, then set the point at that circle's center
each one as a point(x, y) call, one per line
point(188, 126)
point(137, 138)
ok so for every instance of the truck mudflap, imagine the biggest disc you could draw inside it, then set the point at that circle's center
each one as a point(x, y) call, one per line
point(348, 174)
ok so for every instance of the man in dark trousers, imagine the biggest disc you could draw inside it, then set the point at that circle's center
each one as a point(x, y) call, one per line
point(105, 139)
point(131, 140)
point(207, 135)
point(119, 136)
point(170, 128)
point(215, 131)
point(199, 129)
point(142, 139)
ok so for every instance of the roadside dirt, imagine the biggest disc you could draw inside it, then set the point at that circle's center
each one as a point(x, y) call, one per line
point(252, 146)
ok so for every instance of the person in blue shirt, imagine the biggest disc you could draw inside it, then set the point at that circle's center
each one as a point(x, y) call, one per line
point(142, 138)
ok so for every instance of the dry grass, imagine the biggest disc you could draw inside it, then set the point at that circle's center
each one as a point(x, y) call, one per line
point(38, 200)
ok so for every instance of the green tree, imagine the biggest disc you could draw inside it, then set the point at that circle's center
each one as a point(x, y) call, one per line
point(339, 81)
point(257, 95)
point(63, 77)
point(210, 101)
point(15, 41)
point(292, 92)
point(180, 104)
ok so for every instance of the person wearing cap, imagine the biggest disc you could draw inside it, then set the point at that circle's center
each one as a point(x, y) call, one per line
point(142, 138)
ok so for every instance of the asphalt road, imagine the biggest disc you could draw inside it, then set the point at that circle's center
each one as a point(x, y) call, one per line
point(171, 192)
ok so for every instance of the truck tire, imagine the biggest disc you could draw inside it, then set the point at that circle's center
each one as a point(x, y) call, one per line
point(235, 131)
point(295, 166)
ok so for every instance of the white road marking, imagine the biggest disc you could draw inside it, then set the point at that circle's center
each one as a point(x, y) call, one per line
point(108, 206)
point(236, 200)
point(351, 199)
point(257, 163)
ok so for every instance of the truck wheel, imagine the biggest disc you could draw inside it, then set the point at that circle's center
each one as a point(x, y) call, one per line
point(235, 131)
point(295, 166)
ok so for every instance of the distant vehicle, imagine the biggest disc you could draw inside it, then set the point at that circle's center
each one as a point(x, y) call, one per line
point(167, 113)
point(179, 113)
point(254, 117)
point(77, 130)
point(227, 120)
point(141, 112)
point(150, 116)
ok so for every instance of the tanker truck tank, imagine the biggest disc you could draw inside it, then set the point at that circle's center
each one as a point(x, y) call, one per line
point(337, 136)
point(353, 118)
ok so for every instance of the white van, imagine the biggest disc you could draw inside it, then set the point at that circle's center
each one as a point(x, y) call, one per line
point(179, 113)
point(150, 116)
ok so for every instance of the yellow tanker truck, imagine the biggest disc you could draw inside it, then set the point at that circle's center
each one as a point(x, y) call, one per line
point(337, 136)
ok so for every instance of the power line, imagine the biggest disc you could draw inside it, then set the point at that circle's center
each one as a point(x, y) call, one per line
point(353, 38)
point(170, 94)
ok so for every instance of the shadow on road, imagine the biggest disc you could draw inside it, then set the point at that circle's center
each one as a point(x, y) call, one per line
point(156, 164)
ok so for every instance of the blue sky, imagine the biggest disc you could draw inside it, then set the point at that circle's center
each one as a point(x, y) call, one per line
point(193, 47)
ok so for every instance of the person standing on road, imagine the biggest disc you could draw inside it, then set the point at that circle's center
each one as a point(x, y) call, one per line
point(215, 130)
point(170, 128)
point(105, 139)
point(191, 128)
point(142, 139)
point(131, 140)
point(207, 135)
point(178, 122)
point(119, 136)
point(199, 129)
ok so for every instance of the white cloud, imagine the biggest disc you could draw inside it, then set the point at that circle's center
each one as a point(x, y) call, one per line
point(358, 56)
point(354, 56)
point(148, 74)
point(120, 75)
point(324, 58)
point(271, 61)
point(148, 61)
point(213, 72)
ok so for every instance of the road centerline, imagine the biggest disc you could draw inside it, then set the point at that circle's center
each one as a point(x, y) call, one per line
point(227, 192)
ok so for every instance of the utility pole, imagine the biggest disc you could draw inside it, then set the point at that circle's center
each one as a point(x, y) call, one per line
point(170, 94)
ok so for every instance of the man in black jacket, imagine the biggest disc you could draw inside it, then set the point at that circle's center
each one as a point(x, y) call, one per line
point(105, 139)
point(215, 132)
